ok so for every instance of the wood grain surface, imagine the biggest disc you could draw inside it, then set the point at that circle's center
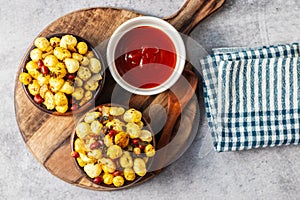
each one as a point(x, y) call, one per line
point(48, 136)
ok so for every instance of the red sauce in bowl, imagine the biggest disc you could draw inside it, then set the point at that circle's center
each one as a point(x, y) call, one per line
point(145, 57)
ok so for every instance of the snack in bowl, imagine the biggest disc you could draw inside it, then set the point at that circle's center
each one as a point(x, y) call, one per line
point(112, 146)
point(62, 73)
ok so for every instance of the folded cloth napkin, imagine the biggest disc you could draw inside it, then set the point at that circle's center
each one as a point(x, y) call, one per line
point(252, 96)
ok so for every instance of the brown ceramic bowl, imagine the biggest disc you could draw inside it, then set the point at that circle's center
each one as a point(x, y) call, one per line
point(127, 184)
point(86, 105)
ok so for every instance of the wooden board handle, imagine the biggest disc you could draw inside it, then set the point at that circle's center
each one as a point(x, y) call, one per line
point(191, 13)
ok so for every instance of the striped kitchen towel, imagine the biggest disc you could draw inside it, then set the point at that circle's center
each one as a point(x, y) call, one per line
point(251, 96)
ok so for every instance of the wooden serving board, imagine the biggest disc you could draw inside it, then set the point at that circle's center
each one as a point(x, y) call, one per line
point(48, 136)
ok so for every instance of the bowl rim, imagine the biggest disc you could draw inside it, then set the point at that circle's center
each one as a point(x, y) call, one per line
point(73, 137)
point(96, 93)
point(163, 26)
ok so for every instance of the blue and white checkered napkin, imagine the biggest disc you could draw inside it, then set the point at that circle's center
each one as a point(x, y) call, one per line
point(252, 96)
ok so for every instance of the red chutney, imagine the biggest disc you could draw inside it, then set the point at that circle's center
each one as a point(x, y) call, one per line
point(145, 57)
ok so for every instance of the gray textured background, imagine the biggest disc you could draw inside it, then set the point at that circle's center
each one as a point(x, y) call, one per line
point(201, 173)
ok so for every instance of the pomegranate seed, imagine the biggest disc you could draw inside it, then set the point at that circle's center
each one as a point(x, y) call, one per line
point(75, 154)
point(44, 70)
point(112, 133)
point(70, 76)
point(98, 180)
point(94, 145)
point(135, 142)
point(40, 63)
point(117, 173)
point(38, 99)
point(141, 147)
